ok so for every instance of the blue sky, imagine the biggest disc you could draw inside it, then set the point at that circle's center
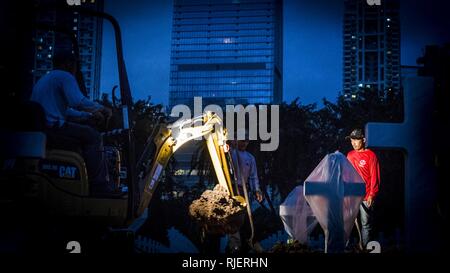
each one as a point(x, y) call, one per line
point(312, 44)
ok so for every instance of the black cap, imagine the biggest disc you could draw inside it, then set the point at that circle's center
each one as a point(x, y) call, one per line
point(356, 134)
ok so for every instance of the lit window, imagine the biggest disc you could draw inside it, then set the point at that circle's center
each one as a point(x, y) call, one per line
point(353, 96)
point(227, 41)
point(388, 19)
point(360, 85)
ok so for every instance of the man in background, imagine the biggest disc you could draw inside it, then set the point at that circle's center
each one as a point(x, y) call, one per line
point(247, 173)
point(366, 164)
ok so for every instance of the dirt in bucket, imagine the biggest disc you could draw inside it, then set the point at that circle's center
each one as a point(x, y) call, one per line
point(217, 212)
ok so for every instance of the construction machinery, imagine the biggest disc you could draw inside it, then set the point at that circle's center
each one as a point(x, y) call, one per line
point(54, 181)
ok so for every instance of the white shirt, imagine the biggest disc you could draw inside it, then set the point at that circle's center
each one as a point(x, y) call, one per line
point(248, 168)
point(57, 92)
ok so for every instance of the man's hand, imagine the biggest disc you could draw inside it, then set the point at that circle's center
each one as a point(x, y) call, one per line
point(259, 196)
point(369, 201)
point(101, 117)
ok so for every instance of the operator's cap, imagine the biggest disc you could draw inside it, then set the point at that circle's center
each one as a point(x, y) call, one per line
point(356, 134)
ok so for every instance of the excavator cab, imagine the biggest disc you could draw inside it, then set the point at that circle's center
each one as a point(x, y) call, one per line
point(47, 171)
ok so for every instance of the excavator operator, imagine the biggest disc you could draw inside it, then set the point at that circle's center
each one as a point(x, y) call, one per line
point(63, 102)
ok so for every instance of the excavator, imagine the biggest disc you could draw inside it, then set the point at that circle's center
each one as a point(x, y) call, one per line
point(34, 172)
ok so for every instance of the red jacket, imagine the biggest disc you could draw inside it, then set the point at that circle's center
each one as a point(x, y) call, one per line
point(366, 164)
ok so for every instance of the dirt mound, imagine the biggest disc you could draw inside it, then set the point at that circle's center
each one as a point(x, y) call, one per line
point(217, 212)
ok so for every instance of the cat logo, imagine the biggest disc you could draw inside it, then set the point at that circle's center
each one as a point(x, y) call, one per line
point(67, 172)
point(58, 169)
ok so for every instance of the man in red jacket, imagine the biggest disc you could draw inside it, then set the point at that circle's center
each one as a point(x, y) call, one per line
point(366, 164)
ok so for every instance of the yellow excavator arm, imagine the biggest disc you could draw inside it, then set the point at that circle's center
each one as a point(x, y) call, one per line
point(171, 137)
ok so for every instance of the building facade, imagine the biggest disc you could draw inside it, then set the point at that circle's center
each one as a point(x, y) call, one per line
point(371, 47)
point(226, 51)
point(88, 32)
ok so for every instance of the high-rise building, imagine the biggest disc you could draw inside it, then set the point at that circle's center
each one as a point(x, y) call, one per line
point(88, 32)
point(371, 47)
point(226, 51)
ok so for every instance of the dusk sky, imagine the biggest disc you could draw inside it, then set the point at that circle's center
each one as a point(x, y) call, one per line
point(312, 45)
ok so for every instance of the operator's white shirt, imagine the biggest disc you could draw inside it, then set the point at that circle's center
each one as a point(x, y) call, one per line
point(248, 168)
point(58, 93)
